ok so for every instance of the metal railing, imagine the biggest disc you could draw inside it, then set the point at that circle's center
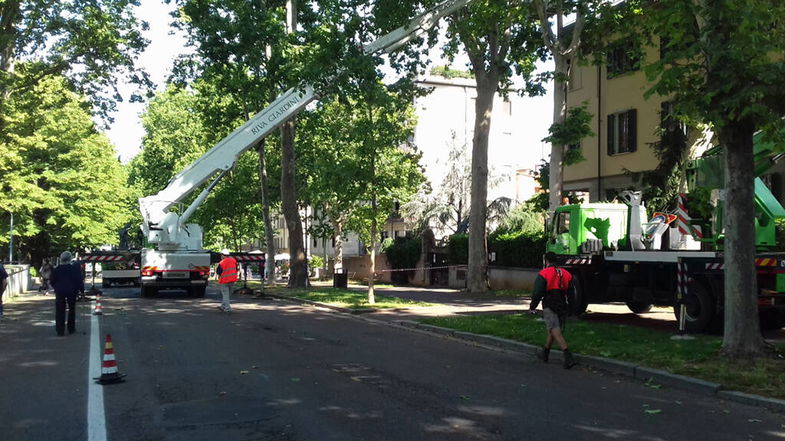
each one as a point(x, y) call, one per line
point(19, 280)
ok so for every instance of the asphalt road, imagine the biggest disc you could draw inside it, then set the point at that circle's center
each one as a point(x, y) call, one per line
point(273, 370)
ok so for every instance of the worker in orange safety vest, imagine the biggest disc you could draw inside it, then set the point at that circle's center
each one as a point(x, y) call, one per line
point(554, 287)
point(227, 274)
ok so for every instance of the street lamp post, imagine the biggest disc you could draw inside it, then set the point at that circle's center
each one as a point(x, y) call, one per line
point(11, 241)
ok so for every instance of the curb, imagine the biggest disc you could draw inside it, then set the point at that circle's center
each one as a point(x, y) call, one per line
point(646, 374)
point(351, 311)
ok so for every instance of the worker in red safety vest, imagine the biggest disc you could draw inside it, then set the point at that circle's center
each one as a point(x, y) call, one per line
point(553, 286)
point(227, 274)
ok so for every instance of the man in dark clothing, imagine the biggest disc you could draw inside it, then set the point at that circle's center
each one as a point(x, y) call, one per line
point(552, 286)
point(67, 281)
point(3, 285)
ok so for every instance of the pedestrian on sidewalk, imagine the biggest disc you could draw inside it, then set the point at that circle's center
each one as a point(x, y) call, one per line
point(46, 273)
point(67, 282)
point(227, 274)
point(553, 286)
point(3, 286)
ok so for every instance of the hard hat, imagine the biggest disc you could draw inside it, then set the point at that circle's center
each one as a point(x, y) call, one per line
point(65, 257)
point(225, 252)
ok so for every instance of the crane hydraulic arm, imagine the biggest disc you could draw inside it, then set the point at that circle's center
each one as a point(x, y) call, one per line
point(167, 229)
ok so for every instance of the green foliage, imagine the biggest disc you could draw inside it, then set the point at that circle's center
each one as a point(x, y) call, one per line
point(404, 252)
point(446, 72)
point(525, 218)
point(316, 261)
point(571, 132)
point(518, 249)
point(458, 249)
point(361, 144)
point(695, 358)
point(779, 225)
point(93, 44)
point(346, 298)
point(174, 137)
point(60, 176)
point(699, 203)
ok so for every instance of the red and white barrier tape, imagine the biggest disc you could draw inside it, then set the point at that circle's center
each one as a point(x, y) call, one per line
point(420, 268)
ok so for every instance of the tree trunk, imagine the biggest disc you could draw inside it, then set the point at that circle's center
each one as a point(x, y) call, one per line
point(477, 276)
point(338, 264)
point(291, 213)
point(372, 266)
point(742, 337)
point(374, 227)
point(555, 178)
point(269, 237)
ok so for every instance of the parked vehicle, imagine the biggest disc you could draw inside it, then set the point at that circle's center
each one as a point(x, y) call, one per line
point(121, 272)
point(620, 254)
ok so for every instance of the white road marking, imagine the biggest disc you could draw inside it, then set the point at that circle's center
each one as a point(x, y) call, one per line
point(96, 419)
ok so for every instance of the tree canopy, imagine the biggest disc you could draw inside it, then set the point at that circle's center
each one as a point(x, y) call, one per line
point(60, 176)
point(92, 44)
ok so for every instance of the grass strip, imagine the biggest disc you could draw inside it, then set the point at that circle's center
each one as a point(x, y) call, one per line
point(346, 298)
point(698, 358)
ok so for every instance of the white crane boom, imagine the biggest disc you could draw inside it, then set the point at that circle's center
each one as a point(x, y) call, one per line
point(167, 229)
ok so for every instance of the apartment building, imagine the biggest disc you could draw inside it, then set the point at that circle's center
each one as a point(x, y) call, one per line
point(625, 126)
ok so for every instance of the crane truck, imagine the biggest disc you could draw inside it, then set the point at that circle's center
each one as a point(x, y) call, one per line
point(177, 258)
point(619, 254)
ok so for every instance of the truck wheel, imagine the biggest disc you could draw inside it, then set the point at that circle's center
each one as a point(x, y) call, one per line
point(149, 291)
point(579, 302)
point(639, 307)
point(197, 291)
point(700, 308)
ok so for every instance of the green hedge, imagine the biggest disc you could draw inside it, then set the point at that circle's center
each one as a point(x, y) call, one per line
point(522, 250)
point(458, 249)
point(403, 252)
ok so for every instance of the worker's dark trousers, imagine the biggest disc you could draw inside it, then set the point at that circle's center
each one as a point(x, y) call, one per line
point(60, 301)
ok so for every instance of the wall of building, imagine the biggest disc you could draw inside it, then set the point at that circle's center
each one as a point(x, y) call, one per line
point(604, 96)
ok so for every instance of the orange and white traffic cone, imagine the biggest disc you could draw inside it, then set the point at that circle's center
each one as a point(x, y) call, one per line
point(109, 373)
point(98, 310)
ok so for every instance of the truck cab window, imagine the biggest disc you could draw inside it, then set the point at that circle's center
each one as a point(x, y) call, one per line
point(563, 223)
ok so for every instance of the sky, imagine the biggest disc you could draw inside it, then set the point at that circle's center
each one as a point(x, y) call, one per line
point(126, 132)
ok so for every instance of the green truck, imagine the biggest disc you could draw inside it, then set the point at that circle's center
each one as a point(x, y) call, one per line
point(620, 253)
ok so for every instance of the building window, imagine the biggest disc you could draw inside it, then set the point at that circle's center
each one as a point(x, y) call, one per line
point(622, 132)
point(622, 58)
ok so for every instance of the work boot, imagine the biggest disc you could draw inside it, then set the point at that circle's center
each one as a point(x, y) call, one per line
point(543, 354)
point(568, 360)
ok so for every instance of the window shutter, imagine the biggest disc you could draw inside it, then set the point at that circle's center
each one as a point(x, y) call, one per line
point(611, 130)
point(632, 120)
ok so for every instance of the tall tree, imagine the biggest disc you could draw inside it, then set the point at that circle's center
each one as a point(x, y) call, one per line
point(298, 271)
point(357, 163)
point(564, 47)
point(720, 65)
point(90, 43)
point(58, 175)
point(500, 38)
point(175, 136)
